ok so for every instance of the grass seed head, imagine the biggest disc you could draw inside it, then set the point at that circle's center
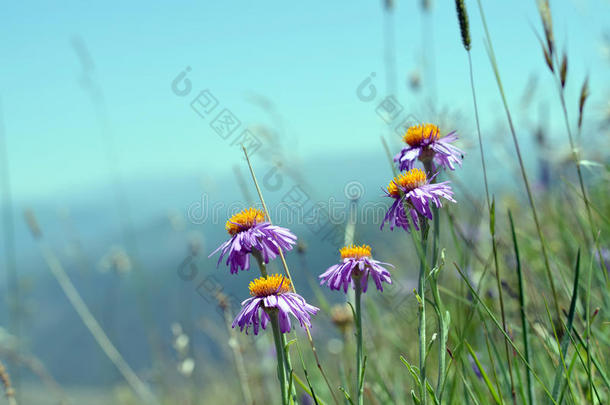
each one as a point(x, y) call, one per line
point(563, 70)
point(584, 94)
point(463, 20)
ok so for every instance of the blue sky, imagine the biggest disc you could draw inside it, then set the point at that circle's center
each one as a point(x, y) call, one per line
point(306, 58)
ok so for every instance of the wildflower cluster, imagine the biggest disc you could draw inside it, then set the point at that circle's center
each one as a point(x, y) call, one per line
point(252, 235)
point(273, 298)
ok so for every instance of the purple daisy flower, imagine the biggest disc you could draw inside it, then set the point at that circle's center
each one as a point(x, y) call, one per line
point(357, 264)
point(249, 231)
point(424, 143)
point(413, 191)
point(273, 294)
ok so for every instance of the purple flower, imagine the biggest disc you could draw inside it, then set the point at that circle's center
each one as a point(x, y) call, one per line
point(357, 265)
point(249, 231)
point(272, 294)
point(413, 192)
point(424, 143)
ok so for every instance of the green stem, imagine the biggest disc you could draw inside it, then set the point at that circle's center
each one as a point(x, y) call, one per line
point(289, 373)
point(261, 264)
point(442, 352)
point(279, 349)
point(359, 361)
point(287, 361)
point(421, 291)
point(285, 265)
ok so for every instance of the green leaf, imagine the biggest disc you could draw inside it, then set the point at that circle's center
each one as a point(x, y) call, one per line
point(413, 370)
point(492, 216)
point(346, 395)
point(490, 387)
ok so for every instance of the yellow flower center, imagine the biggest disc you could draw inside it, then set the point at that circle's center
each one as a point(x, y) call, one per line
point(407, 181)
point(244, 220)
point(417, 133)
point(273, 284)
point(355, 252)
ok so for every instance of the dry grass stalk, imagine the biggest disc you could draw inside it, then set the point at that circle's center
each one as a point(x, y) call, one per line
point(223, 303)
point(547, 22)
point(139, 387)
point(37, 367)
point(8, 386)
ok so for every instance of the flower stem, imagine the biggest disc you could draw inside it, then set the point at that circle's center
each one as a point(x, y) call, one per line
point(287, 362)
point(283, 259)
point(421, 291)
point(261, 263)
point(359, 359)
point(279, 350)
point(442, 326)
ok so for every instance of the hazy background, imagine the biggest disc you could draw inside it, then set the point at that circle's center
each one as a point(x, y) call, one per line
point(110, 159)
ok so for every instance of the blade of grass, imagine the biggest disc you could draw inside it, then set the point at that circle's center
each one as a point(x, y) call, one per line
point(562, 363)
point(506, 336)
point(492, 231)
point(524, 326)
point(491, 359)
point(488, 383)
point(584, 363)
point(566, 383)
point(565, 342)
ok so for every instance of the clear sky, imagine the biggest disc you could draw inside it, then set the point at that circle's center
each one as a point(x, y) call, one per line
point(307, 58)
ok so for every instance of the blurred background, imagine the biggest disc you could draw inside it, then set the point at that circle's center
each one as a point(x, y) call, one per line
point(120, 133)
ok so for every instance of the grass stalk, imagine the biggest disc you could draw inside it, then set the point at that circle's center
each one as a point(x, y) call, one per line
point(528, 190)
point(566, 340)
point(9, 391)
point(37, 368)
point(52, 261)
point(531, 399)
point(588, 326)
point(491, 353)
point(492, 227)
point(575, 157)
point(506, 336)
point(480, 138)
point(237, 357)
point(488, 383)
